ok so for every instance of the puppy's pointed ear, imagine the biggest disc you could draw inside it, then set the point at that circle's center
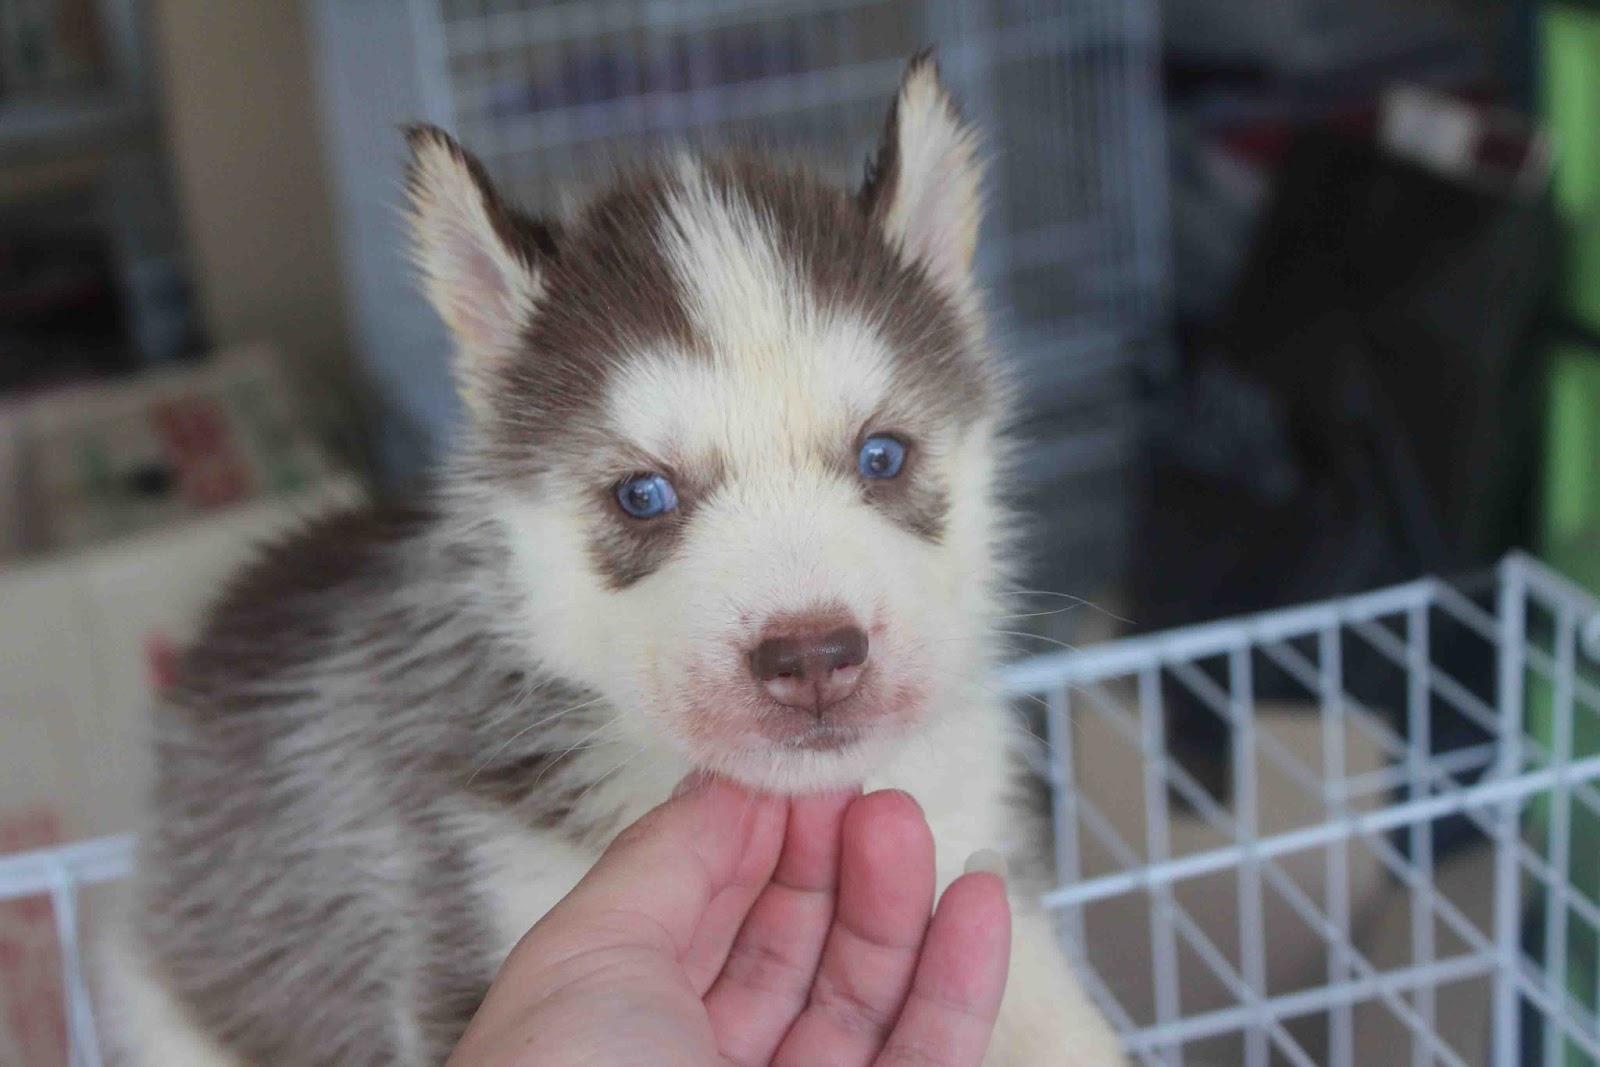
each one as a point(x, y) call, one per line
point(923, 184)
point(481, 262)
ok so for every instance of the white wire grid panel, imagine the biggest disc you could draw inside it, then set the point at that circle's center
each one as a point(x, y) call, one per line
point(1364, 894)
point(1242, 930)
point(1067, 95)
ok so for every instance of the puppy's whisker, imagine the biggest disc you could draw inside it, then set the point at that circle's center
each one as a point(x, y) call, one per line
point(1078, 600)
point(576, 746)
point(591, 786)
point(1037, 637)
point(1039, 614)
point(520, 701)
point(531, 726)
point(989, 690)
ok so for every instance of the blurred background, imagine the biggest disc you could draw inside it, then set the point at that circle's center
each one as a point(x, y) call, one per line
point(1305, 294)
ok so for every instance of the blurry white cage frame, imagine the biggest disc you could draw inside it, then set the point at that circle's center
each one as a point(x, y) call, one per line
point(1066, 92)
point(1536, 625)
point(1539, 630)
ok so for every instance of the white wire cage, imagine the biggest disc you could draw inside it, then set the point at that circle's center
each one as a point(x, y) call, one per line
point(1361, 894)
point(1404, 868)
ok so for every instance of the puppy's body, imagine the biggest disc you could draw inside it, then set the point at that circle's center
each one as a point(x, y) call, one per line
point(404, 736)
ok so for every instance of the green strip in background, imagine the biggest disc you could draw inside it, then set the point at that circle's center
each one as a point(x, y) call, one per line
point(1570, 540)
point(1570, 47)
point(1571, 533)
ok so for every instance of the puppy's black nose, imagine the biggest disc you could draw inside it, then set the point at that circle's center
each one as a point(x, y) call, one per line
point(810, 669)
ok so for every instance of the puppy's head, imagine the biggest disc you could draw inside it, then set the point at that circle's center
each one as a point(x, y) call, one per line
point(740, 429)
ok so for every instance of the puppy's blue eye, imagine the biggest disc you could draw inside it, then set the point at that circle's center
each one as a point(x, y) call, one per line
point(647, 496)
point(881, 457)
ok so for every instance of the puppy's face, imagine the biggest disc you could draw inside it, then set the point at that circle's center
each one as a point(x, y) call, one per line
point(739, 427)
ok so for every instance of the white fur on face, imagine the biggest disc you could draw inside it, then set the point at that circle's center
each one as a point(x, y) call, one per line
point(777, 405)
point(799, 376)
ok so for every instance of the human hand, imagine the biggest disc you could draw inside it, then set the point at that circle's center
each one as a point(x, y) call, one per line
point(727, 927)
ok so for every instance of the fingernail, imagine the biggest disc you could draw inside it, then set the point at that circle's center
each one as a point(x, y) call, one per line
point(988, 861)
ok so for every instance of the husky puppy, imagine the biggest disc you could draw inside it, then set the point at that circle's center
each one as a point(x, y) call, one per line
point(727, 499)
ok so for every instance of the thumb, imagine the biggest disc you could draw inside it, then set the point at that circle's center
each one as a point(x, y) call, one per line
point(600, 974)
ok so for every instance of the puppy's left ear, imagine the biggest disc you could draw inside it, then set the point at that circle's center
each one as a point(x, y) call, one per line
point(923, 184)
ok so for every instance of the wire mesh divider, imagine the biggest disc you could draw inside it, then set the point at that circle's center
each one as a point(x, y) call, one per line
point(1176, 902)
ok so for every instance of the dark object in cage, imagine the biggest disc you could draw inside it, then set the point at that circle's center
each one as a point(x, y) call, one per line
point(1370, 415)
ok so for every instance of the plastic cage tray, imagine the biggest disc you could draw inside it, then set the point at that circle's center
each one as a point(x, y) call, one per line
point(1176, 900)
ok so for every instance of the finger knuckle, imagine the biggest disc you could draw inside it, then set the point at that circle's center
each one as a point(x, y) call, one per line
point(641, 831)
point(841, 1000)
point(767, 970)
point(913, 1054)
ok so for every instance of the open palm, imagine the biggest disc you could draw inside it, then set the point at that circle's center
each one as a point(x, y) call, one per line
point(730, 928)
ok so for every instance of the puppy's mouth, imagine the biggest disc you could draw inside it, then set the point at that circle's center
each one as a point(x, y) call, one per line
point(786, 733)
point(879, 711)
point(824, 737)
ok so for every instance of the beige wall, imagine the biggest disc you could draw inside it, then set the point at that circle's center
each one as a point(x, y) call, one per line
point(241, 117)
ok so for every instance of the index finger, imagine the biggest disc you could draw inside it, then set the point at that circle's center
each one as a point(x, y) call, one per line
point(653, 884)
point(764, 978)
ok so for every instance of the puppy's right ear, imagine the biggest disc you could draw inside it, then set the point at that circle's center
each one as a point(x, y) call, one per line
point(480, 260)
point(923, 184)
